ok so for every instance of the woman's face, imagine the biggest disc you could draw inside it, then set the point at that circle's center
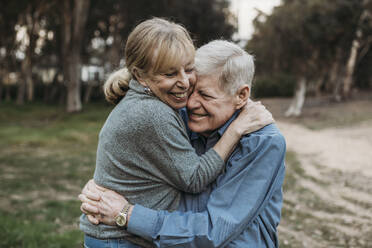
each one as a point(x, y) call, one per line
point(174, 85)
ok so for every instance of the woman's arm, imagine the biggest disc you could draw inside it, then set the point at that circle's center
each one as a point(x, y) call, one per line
point(167, 145)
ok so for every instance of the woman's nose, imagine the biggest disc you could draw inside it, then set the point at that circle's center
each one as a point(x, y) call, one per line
point(183, 80)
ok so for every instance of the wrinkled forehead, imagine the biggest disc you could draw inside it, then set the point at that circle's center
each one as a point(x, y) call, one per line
point(209, 83)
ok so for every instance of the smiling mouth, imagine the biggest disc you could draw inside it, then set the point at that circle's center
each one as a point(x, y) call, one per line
point(196, 115)
point(180, 95)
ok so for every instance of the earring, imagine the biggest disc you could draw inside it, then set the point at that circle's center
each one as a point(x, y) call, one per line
point(148, 91)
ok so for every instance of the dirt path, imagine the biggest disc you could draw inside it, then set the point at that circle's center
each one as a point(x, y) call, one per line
point(347, 149)
point(330, 203)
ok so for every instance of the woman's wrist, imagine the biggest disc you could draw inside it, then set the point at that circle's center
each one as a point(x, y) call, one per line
point(235, 130)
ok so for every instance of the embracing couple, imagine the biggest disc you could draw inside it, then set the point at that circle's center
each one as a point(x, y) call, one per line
point(208, 175)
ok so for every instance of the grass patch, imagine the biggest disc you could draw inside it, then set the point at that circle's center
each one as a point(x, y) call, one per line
point(20, 231)
point(320, 113)
point(46, 156)
point(329, 115)
point(293, 170)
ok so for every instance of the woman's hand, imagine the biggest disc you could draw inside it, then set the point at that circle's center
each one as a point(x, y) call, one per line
point(253, 117)
point(109, 206)
point(101, 205)
point(90, 196)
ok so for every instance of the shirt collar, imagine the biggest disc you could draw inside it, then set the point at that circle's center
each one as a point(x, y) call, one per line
point(136, 86)
point(220, 130)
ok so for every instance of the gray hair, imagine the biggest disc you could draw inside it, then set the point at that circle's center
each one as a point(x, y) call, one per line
point(234, 66)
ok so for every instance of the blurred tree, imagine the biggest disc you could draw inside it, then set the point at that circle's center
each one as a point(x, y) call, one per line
point(30, 18)
point(311, 40)
point(63, 35)
point(112, 21)
point(75, 15)
point(364, 21)
point(8, 20)
point(24, 21)
point(206, 20)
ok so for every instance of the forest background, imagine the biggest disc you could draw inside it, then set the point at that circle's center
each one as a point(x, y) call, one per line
point(313, 61)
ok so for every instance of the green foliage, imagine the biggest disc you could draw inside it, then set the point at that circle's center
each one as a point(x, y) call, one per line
point(190, 13)
point(46, 156)
point(280, 85)
point(109, 23)
point(18, 231)
point(305, 38)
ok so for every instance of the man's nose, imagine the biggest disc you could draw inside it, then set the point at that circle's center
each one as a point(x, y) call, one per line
point(193, 101)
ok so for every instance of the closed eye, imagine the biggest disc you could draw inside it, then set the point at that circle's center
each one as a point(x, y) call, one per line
point(189, 70)
point(170, 74)
point(206, 96)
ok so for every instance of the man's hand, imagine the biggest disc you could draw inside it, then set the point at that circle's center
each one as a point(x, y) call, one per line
point(253, 117)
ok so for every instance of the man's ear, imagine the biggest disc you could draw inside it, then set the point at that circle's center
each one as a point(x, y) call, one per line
point(242, 96)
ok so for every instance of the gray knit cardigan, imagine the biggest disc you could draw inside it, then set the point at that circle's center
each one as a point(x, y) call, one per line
point(145, 154)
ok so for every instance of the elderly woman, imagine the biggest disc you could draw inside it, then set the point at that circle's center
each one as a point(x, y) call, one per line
point(144, 150)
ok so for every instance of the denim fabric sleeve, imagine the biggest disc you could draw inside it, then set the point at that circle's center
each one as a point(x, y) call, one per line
point(254, 173)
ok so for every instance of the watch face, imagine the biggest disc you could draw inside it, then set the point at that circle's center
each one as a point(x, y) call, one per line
point(121, 219)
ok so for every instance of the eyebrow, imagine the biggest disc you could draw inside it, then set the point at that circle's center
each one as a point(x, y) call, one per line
point(175, 69)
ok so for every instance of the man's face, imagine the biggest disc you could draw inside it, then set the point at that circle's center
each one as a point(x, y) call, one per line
point(209, 107)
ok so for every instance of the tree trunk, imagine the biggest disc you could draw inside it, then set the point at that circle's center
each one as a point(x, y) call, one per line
point(31, 30)
point(74, 85)
point(115, 51)
point(73, 36)
point(8, 97)
point(351, 62)
point(46, 90)
point(29, 82)
point(318, 86)
point(30, 19)
point(350, 66)
point(21, 92)
point(2, 77)
point(1, 91)
point(334, 83)
point(88, 93)
point(295, 109)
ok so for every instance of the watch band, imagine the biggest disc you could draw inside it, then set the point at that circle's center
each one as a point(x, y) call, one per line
point(125, 209)
point(121, 218)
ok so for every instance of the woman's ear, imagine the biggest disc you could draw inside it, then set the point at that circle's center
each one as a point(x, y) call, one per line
point(138, 77)
point(242, 96)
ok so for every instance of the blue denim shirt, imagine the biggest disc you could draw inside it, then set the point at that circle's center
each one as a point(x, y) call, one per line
point(242, 208)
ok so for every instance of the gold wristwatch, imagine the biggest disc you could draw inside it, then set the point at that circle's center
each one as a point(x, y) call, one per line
point(121, 218)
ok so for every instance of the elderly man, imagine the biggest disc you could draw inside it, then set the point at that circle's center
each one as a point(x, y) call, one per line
point(242, 207)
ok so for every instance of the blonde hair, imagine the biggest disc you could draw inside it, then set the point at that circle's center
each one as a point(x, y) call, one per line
point(153, 47)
